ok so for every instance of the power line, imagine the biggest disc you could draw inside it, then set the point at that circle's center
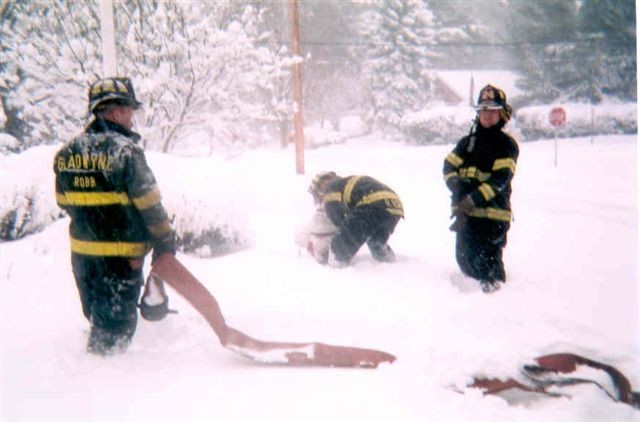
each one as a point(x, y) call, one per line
point(460, 44)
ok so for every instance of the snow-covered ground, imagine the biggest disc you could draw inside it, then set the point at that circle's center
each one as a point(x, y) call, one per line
point(572, 268)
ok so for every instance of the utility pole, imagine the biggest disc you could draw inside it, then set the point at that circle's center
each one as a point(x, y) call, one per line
point(297, 88)
point(109, 59)
point(471, 91)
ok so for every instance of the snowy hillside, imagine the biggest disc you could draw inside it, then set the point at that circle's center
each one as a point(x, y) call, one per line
point(572, 269)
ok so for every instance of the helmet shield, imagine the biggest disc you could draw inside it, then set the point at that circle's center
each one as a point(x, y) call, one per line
point(492, 98)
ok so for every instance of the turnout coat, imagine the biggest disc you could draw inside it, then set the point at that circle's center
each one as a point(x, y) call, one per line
point(482, 165)
point(105, 185)
point(346, 194)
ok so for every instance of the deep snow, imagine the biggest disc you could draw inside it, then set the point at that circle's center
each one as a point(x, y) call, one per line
point(572, 268)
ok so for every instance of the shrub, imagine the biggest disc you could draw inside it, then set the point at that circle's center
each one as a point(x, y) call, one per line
point(582, 120)
point(437, 125)
point(28, 201)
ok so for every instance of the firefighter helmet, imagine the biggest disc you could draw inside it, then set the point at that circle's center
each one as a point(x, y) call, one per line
point(319, 181)
point(107, 90)
point(493, 98)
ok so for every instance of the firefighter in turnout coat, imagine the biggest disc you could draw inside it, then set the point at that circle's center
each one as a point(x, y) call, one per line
point(104, 184)
point(363, 209)
point(478, 173)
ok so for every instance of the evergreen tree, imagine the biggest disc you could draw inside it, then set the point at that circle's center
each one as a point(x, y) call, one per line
point(608, 34)
point(399, 62)
point(467, 32)
point(586, 50)
point(543, 56)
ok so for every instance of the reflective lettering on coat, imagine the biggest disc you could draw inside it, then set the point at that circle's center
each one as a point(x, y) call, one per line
point(100, 162)
point(84, 182)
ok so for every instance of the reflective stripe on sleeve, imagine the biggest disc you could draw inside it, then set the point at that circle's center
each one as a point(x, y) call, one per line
point(148, 200)
point(474, 173)
point(450, 175)
point(504, 163)
point(487, 191)
point(157, 230)
point(454, 160)
point(333, 197)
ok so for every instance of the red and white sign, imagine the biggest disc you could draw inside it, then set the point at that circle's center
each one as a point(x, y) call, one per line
point(557, 116)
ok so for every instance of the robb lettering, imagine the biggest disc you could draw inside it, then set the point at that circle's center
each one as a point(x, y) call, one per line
point(84, 182)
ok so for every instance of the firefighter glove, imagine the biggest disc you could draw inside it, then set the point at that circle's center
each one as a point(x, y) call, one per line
point(466, 205)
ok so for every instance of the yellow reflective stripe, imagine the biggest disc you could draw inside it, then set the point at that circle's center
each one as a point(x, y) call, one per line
point(147, 200)
point(92, 199)
point(491, 213)
point(125, 249)
point(454, 160)
point(380, 196)
point(449, 176)
point(391, 200)
point(333, 197)
point(348, 189)
point(504, 163)
point(474, 173)
point(487, 191)
point(468, 172)
point(158, 230)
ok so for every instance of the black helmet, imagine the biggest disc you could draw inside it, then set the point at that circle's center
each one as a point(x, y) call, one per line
point(493, 98)
point(319, 181)
point(118, 90)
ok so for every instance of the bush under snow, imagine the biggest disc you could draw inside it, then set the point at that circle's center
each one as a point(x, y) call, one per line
point(582, 120)
point(214, 223)
point(28, 200)
point(29, 205)
point(448, 124)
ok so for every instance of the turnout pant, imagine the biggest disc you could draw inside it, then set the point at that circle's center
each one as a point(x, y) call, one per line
point(109, 289)
point(479, 244)
point(369, 224)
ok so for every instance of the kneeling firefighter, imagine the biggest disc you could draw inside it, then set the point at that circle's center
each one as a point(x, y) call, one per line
point(364, 210)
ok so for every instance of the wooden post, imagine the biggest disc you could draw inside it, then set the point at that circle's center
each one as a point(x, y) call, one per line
point(109, 59)
point(297, 88)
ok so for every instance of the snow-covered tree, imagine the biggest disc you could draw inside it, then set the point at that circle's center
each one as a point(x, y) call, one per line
point(608, 34)
point(536, 53)
point(214, 75)
point(50, 52)
point(586, 50)
point(201, 66)
point(333, 85)
point(467, 32)
point(399, 62)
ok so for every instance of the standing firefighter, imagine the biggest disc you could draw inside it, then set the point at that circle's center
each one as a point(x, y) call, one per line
point(478, 173)
point(364, 210)
point(110, 193)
